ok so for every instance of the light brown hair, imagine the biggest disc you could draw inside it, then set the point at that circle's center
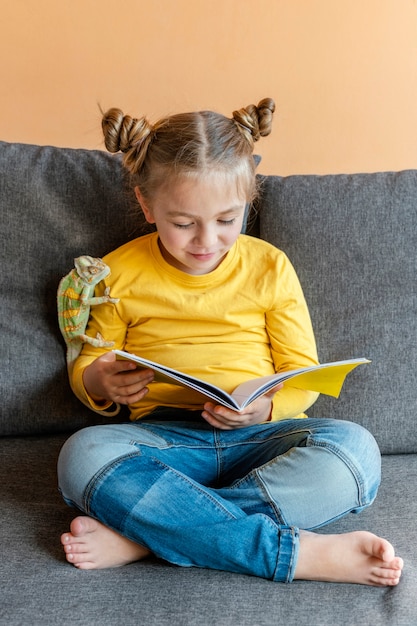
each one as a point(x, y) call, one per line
point(189, 144)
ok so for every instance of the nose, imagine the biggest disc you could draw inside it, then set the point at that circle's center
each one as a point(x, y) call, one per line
point(206, 237)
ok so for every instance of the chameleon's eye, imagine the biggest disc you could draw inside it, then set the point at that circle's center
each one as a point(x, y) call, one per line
point(93, 270)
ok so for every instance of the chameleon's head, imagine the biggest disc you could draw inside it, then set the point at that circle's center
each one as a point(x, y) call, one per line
point(91, 269)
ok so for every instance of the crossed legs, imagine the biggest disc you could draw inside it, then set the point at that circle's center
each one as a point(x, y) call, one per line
point(358, 557)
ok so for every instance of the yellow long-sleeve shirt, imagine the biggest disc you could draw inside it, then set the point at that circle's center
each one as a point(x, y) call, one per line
point(246, 319)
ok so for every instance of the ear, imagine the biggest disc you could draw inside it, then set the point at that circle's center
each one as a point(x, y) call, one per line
point(143, 205)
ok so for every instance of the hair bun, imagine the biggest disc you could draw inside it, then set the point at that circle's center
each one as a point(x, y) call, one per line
point(122, 132)
point(255, 121)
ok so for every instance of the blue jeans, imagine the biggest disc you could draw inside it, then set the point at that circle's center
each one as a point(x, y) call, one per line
point(231, 500)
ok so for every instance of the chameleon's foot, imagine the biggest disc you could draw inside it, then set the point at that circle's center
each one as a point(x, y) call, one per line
point(98, 341)
point(108, 298)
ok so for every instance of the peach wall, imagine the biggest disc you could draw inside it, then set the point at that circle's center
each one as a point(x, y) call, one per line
point(343, 73)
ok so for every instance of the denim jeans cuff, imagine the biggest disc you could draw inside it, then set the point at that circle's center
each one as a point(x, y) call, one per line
point(288, 547)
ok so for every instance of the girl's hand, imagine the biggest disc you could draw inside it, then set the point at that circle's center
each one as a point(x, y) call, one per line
point(255, 413)
point(109, 379)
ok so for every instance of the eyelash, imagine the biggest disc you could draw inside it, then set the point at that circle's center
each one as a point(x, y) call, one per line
point(221, 222)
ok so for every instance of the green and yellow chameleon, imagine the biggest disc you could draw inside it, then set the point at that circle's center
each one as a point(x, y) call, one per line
point(75, 297)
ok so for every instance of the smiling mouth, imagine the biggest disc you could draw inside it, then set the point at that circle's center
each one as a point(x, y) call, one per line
point(202, 257)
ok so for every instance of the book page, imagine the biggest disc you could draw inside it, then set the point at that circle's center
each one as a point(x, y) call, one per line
point(327, 378)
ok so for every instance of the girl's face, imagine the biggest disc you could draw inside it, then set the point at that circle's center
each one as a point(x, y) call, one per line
point(198, 221)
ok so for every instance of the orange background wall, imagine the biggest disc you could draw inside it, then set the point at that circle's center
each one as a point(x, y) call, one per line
point(343, 73)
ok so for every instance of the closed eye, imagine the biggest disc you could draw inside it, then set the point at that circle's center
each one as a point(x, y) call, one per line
point(222, 222)
point(183, 225)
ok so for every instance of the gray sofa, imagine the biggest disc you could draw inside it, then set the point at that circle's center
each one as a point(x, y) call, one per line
point(353, 241)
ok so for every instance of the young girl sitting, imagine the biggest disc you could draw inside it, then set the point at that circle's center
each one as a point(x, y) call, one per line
point(195, 483)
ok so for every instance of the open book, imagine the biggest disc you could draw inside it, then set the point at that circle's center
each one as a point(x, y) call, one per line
point(327, 378)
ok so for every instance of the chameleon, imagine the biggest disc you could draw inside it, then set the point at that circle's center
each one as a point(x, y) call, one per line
point(74, 298)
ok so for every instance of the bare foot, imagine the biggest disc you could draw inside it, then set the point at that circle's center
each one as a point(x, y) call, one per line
point(357, 557)
point(91, 545)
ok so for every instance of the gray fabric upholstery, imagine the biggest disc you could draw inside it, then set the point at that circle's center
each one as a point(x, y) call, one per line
point(353, 242)
point(60, 204)
point(38, 587)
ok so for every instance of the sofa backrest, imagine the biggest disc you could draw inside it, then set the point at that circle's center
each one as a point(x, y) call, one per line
point(56, 204)
point(352, 240)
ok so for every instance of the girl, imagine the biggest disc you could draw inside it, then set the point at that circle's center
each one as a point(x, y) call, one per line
point(195, 483)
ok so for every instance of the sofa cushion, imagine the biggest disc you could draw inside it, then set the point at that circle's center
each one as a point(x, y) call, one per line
point(39, 588)
point(353, 241)
point(56, 204)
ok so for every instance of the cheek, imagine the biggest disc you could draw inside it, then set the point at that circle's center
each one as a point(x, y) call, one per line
point(174, 238)
point(233, 233)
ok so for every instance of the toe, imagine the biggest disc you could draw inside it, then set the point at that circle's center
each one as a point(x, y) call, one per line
point(381, 549)
point(80, 526)
point(386, 576)
point(75, 548)
point(65, 538)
